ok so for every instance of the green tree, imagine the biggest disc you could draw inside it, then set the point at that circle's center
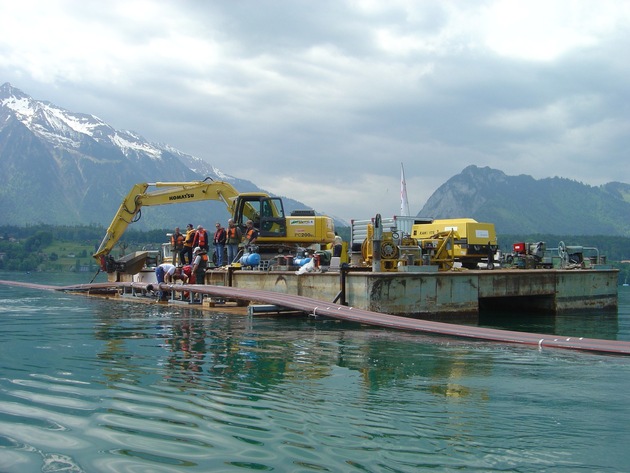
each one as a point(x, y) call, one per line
point(30, 263)
point(37, 241)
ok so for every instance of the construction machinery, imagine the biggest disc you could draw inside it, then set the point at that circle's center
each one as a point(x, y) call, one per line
point(539, 256)
point(389, 250)
point(395, 233)
point(278, 232)
point(425, 245)
point(473, 242)
point(529, 256)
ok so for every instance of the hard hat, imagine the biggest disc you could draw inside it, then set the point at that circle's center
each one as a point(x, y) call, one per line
point(197, 250)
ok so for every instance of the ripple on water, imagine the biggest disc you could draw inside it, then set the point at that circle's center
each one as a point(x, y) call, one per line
point(121, 388)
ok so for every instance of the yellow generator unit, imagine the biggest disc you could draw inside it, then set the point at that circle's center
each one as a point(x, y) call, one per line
point(474, 242)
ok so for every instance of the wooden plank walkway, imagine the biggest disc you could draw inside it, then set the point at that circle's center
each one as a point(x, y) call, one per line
point(336, 311)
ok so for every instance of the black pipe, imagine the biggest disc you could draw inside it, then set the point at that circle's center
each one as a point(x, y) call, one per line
point(230, 274)
point(343, 273)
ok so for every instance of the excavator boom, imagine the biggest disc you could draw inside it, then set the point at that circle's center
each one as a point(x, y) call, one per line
point(164, 193)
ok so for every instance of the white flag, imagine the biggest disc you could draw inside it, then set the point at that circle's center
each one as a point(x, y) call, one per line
point(404, 203)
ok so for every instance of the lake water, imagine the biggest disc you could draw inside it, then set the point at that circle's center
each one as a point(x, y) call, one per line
point(90, 385)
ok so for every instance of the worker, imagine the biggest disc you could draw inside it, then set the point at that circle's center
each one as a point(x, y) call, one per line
point(164, 274)
point(177, 245)
point(199, 265)
point(201, 239)
point(337, 245)
point(179, 275)
point(187, 270)
point(187, 252)
point(234, 236)
point(218, 241)
point(251, 234)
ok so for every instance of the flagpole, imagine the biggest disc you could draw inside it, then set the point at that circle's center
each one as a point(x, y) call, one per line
point(404, 202)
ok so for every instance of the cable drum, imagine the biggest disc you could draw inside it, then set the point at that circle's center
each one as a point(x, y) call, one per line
point(389, 250)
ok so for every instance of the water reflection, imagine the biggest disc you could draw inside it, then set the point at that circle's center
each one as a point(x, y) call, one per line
point(603, 324)
point(225, 352)
point(95, 385)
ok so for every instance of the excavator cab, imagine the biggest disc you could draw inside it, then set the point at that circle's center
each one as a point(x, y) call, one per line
point(267, 213)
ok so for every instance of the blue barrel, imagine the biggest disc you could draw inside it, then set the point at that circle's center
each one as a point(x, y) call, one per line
point(297, 261)
point(250, 259)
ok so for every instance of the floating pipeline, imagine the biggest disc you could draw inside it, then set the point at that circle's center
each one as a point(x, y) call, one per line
point(341, 312)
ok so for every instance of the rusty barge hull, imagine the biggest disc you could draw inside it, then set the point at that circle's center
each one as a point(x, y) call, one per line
point(442, 295)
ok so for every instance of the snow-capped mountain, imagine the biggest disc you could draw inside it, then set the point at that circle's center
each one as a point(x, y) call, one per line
point(64, 129)
point(63, 167)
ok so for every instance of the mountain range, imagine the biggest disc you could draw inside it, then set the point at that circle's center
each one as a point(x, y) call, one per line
point(524, 205)
point(65, 168)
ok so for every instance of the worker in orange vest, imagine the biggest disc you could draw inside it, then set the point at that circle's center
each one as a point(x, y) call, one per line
point(177, 245)
point(201, 239)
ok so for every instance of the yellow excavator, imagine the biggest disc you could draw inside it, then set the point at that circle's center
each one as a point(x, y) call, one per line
point(277, 232)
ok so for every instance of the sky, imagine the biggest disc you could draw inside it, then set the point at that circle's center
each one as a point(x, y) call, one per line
point(324, 101)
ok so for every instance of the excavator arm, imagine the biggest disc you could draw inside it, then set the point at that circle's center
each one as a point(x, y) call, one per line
point(163, 194)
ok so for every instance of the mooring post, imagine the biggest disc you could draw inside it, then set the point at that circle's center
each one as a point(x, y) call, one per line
point(376, 244)
point(230, 272)
point(343, 273)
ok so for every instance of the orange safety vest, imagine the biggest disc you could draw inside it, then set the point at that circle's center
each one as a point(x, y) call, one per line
point(219, 236)
point(232, 236)
point(251, 234)
point(203, 262)
point(200, 239)
point(177, 240)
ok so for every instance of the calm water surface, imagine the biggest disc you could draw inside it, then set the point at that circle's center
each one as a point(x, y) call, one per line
point(91, 385)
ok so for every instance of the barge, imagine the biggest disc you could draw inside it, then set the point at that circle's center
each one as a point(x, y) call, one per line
point(453, 295)
point(384, 270)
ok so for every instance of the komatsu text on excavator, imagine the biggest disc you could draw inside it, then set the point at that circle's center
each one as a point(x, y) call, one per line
point(277, 232)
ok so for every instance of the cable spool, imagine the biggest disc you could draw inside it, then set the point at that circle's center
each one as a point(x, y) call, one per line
point(389, 250)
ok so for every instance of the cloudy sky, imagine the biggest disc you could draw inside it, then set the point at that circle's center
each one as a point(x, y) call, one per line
point(323, 100)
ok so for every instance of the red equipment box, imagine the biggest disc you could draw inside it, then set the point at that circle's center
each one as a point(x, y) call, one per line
point(519, 248)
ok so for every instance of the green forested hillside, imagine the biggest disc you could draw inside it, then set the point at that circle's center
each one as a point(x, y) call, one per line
point(64, 248)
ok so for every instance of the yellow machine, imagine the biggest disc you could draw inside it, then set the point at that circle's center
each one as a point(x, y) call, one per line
point(277, 232)
point(438, 250)
point(391, 250)
point(473, 241)
point(397, 252)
